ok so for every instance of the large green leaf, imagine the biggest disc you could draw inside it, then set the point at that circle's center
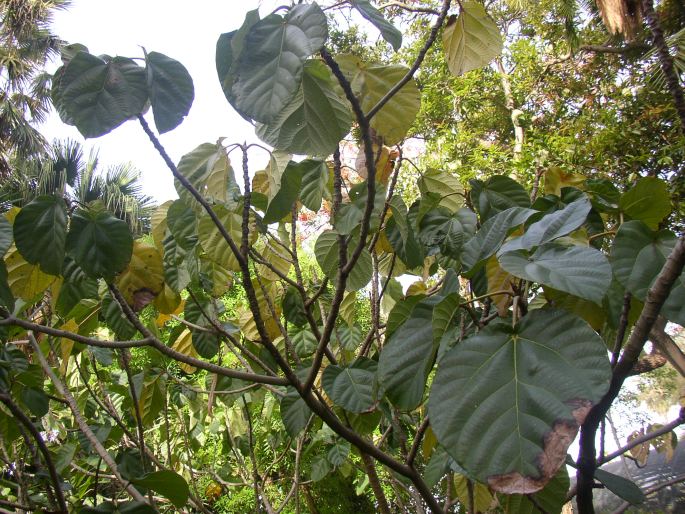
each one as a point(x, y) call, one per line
point(75, 287)
point(182, 224)
point(314, 183)
point(554, 225)
point(269, 69)
point(621, 487)
point(400, 233)
point(491, 235)
point(351, 387)
point(116, 319)
point(176, 274)
point(171, 90)
point(326, 250)
point(408, 356)
point(393, 121)
point(444, 232)
point(5, 235)
point(167, 483)
point(199, 167)
point(578, 270)
point(497, 194)
point(637, 257)
point(40, 232)
point(99, 243)
point(389, 32)
point(229, 47)
point(444, 184)
point(507, 402)
point(212, 241)
point(349, 216)
point(99, 95)
point(314, 121)
point(294, 412)
point(471, 40)
point(282, 202)
point(648, 201)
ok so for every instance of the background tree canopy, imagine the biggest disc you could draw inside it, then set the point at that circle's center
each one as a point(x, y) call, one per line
point(466, 231)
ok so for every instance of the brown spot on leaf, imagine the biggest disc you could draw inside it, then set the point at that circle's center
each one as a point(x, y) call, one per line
point(141, 298)
point(553, 456)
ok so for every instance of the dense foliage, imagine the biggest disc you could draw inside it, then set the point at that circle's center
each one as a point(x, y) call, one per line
point(256, 350)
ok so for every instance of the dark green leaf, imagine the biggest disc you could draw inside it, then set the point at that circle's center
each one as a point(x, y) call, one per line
point(6, 296)
point(40, 232)
point(351, 387)
point(554, 225)
point(389, 32)
point(578, 270)
point(229, 47)
point(326, 251)
point(36, 400)
point(100, 244)
point(75, 287)
point(314, 121)
point(491, 235)
point(269, 69)
point(338, 453)
point(518, 395)
point(282, 202)
point(171, 90)
point(167, 483)
point(314, 183)
point(294, 412)
point(320, 468)
point(408, 356)
point(99, 95)
point(293, 307)
point(648, 201)
point(5, 235)
point(637, 257)
point(497, 194)
point(621, 487)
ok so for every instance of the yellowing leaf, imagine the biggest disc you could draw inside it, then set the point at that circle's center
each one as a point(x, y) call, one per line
point(212, 241)
point(385, 163)
point(26, 280)
point(556, 178)
point(416, 288)
point(158, 224)
point(143, 279)
point(275, 257)
point(471, 40)
point(163, 318)
point(499, 280)
point(167, 301)
point(482, 497)
point(184, 345)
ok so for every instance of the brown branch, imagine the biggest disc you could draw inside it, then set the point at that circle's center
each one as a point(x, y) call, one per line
point(375, 484)
point(656, 296)
point(417, 63)
point(420, 432)
point(192, 361)
point(644, 438)
point(665, 59)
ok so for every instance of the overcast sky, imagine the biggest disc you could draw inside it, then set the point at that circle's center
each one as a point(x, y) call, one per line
point(185, 31)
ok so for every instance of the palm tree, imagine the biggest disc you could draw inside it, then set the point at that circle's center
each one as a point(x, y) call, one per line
point(65, 171)
point(26, 46)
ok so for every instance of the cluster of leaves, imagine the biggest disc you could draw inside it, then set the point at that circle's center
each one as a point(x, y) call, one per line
point(489, 364)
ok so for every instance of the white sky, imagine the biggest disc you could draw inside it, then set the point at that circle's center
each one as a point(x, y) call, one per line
point(185, 31)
